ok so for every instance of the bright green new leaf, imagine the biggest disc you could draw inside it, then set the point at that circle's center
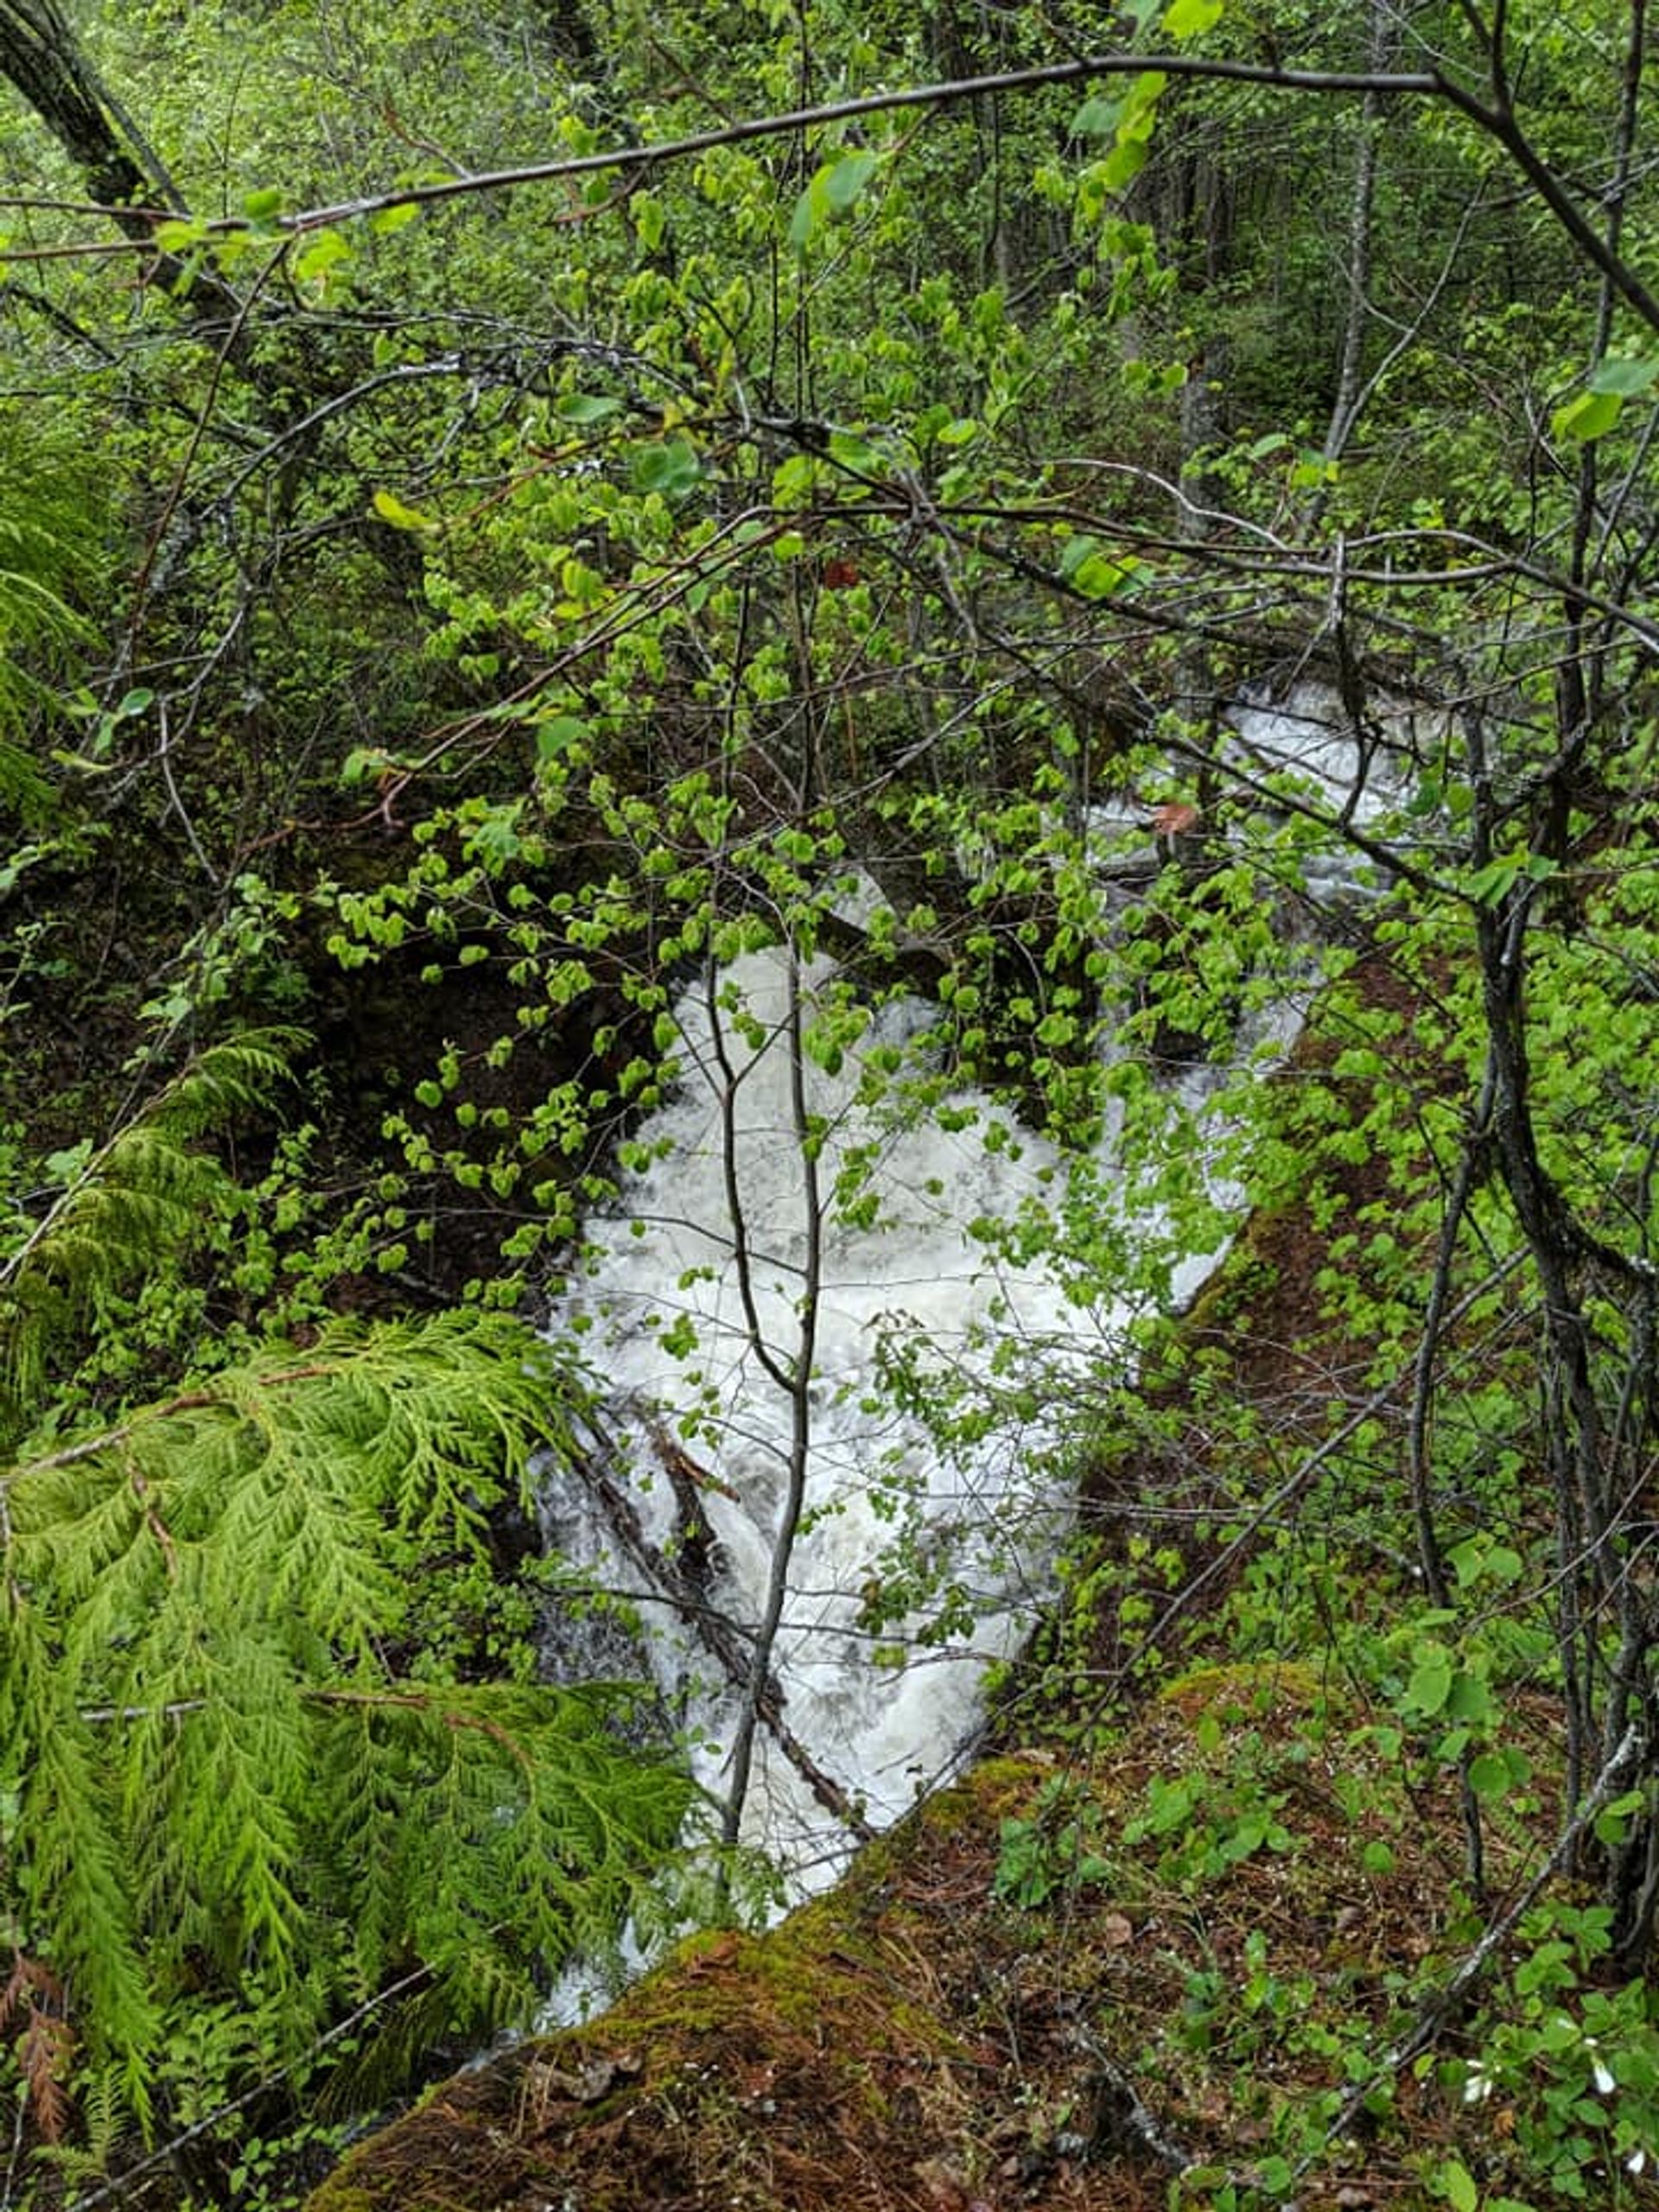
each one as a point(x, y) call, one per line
point(1591, 414)
point(1187, 18)
point(325, 253)
point(1144, 93)
point(179, 235)
point(584, 407)
point(1457, 2184)
point(1092, 571)
point(1125, 162)
point(391, 509)
point(832, 192)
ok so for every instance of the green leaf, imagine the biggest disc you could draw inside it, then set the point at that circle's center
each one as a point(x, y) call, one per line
point(179, 234)
point(1457, 2184)
point(391, 509)
point(1187, 18)
point(1613, 1821)
point(650, 220)
point(1125, 162)
point(1478, 1558)
point(671, 468)
point(391, 219)
point(1097, 119)
point(1626, 378)
point(1489, 1775)
point(1591, 414)
point(261, 207)
point(584, 407)
point(833, 192)
point(326, 251)
point(844, 183)
point(1431, 1680)
point(555, 737)
point(1089, 568)
point(1469, 1700)
point(1491, 885)
point(851, 451)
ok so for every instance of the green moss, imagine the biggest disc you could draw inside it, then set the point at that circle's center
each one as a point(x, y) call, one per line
point(737, 2056)
point(1238, 1688)
point(338, 2194)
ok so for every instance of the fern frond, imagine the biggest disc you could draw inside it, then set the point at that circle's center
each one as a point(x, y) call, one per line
point(36, 620)
point(141, 1202)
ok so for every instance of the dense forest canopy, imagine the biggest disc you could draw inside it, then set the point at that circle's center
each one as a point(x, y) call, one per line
point(507, 509)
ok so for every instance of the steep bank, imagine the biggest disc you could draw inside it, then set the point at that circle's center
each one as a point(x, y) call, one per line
point(1200, 1936)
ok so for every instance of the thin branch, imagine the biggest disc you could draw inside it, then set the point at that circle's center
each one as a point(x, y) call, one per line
point(119, 2186)
point(1268, 1512)
point(1440, 2005)
point(944, 94)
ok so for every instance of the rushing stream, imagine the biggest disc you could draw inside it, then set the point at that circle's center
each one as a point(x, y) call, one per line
point(880, 1717)
point(691, 1314)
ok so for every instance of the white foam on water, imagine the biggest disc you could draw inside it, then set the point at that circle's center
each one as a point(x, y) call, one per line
point(880, 1715)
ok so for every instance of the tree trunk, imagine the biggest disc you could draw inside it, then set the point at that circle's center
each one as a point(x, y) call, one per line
point(45, 62)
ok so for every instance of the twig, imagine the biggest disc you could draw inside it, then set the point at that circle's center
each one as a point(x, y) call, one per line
point(122, 2182)
point(1442, 2004)
point(1121, 2115)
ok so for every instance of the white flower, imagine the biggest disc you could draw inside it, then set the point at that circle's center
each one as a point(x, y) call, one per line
point(1637, 2160)
point(1477, 2085)
point(1600, 2072)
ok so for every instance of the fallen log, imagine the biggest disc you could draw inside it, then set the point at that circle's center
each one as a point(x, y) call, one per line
point(683, 1588)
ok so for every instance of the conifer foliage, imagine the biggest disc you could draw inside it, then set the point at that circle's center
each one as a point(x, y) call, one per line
point(235, 1772)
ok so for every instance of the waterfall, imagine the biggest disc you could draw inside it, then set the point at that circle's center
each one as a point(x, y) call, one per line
point(913, 1286)
point(930, 1300)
